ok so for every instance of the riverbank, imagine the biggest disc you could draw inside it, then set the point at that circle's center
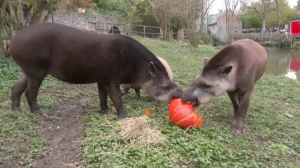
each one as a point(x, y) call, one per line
point(269, 39)
point(78, 135)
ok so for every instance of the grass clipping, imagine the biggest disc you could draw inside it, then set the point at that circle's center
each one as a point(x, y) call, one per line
point(137, 132)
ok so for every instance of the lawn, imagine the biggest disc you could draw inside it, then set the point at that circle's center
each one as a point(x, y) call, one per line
point(271, 139)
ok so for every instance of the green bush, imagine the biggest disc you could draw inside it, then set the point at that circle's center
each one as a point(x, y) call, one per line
point(206, 38)
point(296, 46)
point(215, 40)
point(283, 42)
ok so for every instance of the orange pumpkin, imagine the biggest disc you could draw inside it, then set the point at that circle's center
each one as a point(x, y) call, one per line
point(183, 115)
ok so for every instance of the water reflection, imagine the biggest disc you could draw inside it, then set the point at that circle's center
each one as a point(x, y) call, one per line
point(283, 62)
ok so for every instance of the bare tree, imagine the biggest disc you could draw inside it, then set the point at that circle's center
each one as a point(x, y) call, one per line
point(6, 23)
point(278, 14)
point(232, 9)
point(191, 12)
point(2, 9)
point(164, 11)
point(38, 7)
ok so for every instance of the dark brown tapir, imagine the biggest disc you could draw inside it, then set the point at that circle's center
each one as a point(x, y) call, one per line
point(235, 70)
point(81, 57)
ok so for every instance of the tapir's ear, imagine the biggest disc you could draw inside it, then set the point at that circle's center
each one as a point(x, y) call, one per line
point(205, 60)
point(226, 70)
point(152, 69)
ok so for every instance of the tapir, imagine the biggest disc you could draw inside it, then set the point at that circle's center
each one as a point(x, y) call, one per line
point(81, 57)
point(127, 87)
point(235, 70)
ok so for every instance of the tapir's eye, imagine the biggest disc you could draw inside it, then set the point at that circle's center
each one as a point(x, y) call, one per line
point(205, 86)
point(167, 87)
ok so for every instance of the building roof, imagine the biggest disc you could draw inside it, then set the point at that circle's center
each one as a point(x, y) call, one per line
point(213, 19)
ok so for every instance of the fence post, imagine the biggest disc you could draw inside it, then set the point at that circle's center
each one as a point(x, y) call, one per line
point(127, 26)
point(144, 32)
point(161, 33)
point(178, 35)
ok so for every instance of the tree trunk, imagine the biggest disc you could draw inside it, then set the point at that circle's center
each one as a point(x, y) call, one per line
point(278, 15)
point(46, 18)
point(278, 19)
point(21, 15)
point(39, 12)
point(2, 27)
point(263, 24)
point(2, 51)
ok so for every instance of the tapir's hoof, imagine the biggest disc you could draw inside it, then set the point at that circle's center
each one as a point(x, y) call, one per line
point(43, 114)
point(122, 115)
point(240, 131)
point(17, 110)
point(106, 111)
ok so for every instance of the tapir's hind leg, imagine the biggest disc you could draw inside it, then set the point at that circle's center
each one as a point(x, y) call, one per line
point(103, 99)
point(31, 93)
point(17, 90)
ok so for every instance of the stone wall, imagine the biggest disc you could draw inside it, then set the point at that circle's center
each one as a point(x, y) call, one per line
point(87, 22)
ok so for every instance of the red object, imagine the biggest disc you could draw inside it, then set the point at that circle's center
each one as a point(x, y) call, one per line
point(183, 115)
point(295, 65)
point(295, 28)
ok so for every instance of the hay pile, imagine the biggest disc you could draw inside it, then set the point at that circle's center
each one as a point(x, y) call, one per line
point(137, 132)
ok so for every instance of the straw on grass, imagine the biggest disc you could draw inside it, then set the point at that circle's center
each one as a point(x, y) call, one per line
point(137, 132)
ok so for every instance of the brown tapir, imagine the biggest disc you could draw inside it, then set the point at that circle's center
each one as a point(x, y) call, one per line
point(127, 87)
point(81, 57)
point(235, 70)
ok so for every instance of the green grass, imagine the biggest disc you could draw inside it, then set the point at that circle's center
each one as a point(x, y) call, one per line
point(271, 139)
point(19, 139)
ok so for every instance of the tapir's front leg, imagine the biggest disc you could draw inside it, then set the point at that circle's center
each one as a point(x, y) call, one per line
point(244, 98)
point(236, 104)
point(115, 96)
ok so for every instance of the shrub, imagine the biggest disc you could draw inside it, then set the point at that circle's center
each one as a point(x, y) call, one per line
point(283, 42)
point(296, 46)
point(215, 40)
point(206, 38)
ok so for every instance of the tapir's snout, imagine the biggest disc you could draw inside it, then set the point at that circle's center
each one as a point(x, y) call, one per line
point(188, 96)
point(177, 93)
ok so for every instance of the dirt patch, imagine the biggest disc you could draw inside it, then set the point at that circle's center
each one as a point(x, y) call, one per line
point(64, 135)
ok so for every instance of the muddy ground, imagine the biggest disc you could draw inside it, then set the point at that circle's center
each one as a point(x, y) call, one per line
point(64, 131)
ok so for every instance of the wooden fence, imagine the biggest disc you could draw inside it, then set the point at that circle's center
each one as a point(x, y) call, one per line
point(267, 37)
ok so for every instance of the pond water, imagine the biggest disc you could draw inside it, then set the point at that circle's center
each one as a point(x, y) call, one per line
point(283, 62)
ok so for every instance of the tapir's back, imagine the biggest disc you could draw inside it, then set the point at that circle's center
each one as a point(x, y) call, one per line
point(255, 56)
point(67, 53)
